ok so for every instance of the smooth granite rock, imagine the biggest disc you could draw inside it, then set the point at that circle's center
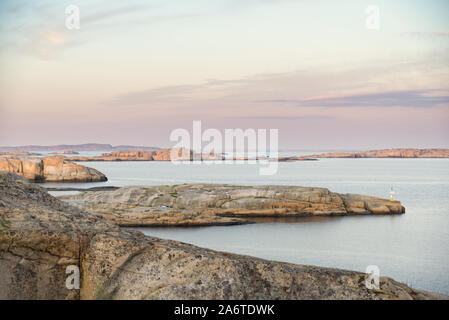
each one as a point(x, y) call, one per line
point(40, 236)
point(50, 169)
point(209, 204)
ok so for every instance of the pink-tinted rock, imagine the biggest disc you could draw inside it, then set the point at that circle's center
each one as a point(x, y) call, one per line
point(50, 169)
point(388, 153)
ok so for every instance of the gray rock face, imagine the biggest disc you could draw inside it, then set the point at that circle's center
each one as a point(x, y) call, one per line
point(207, 204)
point(40, 236)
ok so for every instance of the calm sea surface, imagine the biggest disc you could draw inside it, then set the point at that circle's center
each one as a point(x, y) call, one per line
point(412, 248)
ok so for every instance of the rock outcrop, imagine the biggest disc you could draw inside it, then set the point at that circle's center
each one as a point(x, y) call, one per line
point(41, 236)
point(165, 155)
point(388, 153)
point(65, 152)
point(139, 155)
point(19, 154)
point(207, 204)
point(50, 169)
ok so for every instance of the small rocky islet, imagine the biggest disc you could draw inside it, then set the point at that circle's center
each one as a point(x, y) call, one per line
point(218, 204)
point(40, 236)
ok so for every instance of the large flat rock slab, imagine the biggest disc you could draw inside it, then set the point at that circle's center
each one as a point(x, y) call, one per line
point(215, 204)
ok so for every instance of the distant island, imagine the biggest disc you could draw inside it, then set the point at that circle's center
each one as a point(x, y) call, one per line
point(65, 152)
point(387, 153)
point(141, 153)
point(77, 147)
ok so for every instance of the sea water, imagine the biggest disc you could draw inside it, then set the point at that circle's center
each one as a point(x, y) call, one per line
point(412, 248)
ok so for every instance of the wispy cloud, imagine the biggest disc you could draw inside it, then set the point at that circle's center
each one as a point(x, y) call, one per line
point(411, 98)
point(426, 34)
point(209, 87)
point(154, 95)
point(39, 29)
point(356, 87)
point(286, 118)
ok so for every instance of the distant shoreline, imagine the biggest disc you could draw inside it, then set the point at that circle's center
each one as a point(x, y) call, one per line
point(76, 147)
point(387, 153)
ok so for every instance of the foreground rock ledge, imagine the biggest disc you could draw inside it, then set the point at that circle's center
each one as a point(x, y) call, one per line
point(214, 204)
point(40, 236)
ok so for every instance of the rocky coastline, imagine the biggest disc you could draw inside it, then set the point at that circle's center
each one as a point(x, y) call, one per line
point(41, 236)
point(49, 169)
point(138, 155)
point(164, 155)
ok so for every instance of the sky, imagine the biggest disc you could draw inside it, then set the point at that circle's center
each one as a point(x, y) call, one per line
point(314, 69)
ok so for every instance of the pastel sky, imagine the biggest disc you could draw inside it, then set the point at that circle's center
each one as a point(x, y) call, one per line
point(136, 70)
